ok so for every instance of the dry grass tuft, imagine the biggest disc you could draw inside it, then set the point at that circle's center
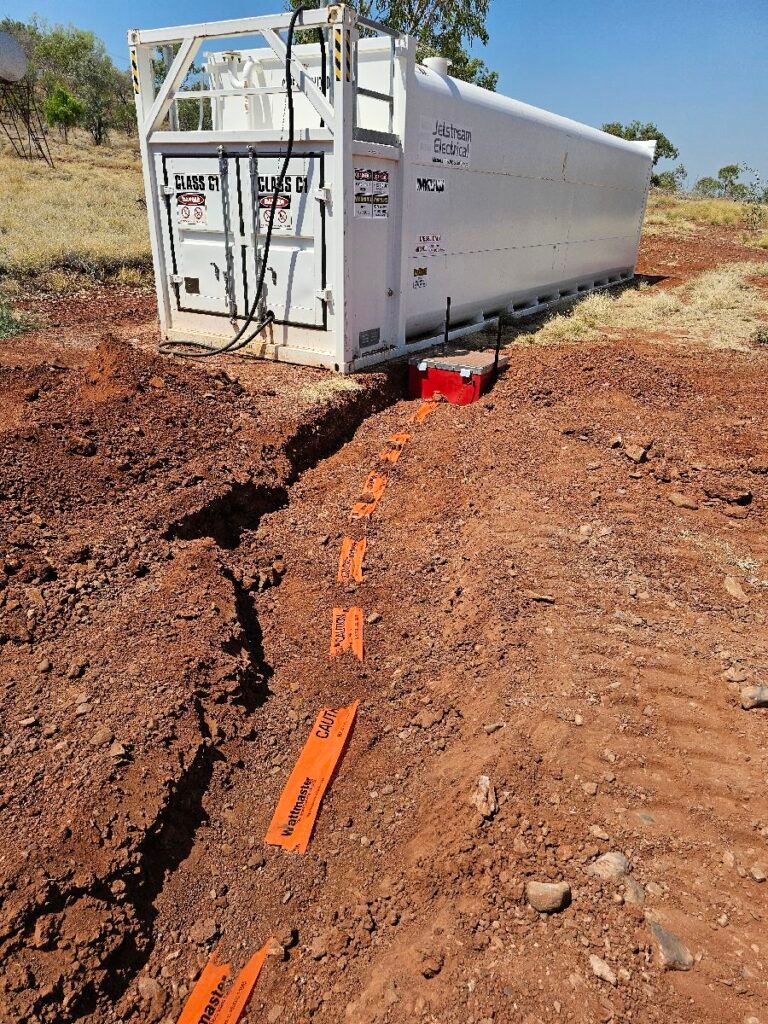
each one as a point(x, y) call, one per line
point(685, 215)
point(322, 391)
point(720, 308)
point(12, 322)
point(85, 216)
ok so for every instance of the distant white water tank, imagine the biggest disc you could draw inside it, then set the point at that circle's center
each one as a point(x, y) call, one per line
point(13, 62)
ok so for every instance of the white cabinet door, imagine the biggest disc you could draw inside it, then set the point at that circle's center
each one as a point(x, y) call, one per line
point(203, 226)
point(295, 265)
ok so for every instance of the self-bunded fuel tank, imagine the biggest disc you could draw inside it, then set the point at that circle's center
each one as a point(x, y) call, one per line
point(405, 188)
point(509, 206)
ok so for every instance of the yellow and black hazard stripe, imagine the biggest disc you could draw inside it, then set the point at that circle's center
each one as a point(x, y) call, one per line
point(135, 70)
point(342, 55)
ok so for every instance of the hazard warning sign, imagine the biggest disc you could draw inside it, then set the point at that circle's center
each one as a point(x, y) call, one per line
point(371, 193)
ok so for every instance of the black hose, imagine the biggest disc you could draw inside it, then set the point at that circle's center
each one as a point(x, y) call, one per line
point(235, 343)
point(323, 67)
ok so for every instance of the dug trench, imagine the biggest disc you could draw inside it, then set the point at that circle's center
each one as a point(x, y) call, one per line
point(130, 643)
point(564, 595)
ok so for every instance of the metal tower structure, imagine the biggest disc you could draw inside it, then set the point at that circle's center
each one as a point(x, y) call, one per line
point(21, 123)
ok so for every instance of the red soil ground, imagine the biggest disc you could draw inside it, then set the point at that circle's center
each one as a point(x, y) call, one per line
point(541, 609)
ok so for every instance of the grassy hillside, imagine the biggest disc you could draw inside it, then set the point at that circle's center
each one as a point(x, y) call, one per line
point(86, 215)
point(680, 213)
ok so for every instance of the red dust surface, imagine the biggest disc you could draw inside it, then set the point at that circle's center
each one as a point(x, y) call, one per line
point(564, 594)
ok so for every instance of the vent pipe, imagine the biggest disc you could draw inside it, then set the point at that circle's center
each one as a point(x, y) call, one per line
point(439, 65)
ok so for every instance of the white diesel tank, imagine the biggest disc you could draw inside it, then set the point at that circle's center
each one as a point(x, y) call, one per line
point(334, 228)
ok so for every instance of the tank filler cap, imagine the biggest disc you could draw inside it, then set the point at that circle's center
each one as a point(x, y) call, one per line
point(439, 65)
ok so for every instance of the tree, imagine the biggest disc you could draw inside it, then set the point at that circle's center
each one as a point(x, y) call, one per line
point(638, 132)
point(444, 28)
point(670, 181)
point(728, 177)
point(76, 58)
point(707, 188)
point(124, 111)
point(63, 110)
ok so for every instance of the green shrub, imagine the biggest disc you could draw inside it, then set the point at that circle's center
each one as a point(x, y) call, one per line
point(11, 323)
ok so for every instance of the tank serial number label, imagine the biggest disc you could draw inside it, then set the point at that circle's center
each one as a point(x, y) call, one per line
point(371, 193)
point(443, 142)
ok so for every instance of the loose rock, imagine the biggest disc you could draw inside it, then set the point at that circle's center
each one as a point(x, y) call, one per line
point(102, 736)
point(151, 991)
point(754, 697)
point(548, 897)
point(735, 675)
point(610, 867)
point(601, 970)
point(204, 931)
point(427, 718)
point(533, 595)
point(634, 893)
point(735, 589)
point(484, 797)
point(683, 501)
point(431, 964)
point(673, 953)
point(636, 453)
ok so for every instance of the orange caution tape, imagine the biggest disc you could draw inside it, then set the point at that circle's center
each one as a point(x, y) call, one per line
point(299, 803)
point(351, 560)
point(232, 1008)
point(207, 996)
point(347, 632)
point(423, 411)
point(375, 485)
point(394, 448)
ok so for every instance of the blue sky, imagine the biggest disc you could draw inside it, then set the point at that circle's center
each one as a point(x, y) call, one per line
point(698, 68)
